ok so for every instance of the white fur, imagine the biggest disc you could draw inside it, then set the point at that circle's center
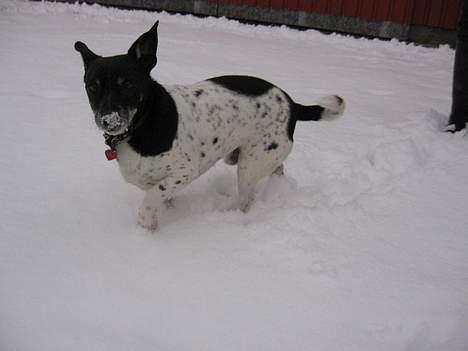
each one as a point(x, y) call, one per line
point(334, 107)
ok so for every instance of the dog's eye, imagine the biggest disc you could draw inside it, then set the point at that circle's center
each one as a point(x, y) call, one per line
point(128, 84)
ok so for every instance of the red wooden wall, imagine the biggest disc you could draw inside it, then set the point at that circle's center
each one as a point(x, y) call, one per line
point(434, 13)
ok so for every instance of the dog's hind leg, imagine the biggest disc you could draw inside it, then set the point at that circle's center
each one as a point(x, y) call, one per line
point(279, 171)
point(169, 203)
point(255, 163)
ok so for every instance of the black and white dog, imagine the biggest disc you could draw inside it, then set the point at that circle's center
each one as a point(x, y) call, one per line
point(164, 137)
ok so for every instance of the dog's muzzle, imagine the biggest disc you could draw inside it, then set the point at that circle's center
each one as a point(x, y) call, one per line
point(114, 123)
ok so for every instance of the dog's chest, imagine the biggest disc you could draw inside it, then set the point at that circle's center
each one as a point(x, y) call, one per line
point(144, 172)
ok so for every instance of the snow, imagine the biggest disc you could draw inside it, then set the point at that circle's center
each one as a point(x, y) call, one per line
point(363, 245)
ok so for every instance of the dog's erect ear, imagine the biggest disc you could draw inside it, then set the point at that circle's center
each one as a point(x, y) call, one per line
point(87, 55)
point(144, 48)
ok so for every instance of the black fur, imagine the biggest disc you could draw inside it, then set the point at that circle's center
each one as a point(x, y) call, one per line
point(302, 113)
point(156, 124)
point(104, 94)
point(145, 47)
point(233, 158)
point(309, 113)
point(243, 85)
point(272, 146)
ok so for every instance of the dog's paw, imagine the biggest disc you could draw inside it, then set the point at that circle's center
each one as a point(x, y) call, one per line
point(151, 226)
point(169, 203)
point(148, 219)
point(245, 204)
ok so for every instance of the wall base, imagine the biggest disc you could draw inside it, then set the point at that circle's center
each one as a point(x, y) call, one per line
point(353, 25)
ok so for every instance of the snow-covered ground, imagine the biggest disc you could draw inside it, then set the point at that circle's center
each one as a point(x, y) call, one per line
point(362, 246)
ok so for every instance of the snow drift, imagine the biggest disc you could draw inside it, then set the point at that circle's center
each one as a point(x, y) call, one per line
point(363, 245)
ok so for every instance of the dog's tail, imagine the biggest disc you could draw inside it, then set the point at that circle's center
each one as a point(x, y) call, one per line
point(328, 108)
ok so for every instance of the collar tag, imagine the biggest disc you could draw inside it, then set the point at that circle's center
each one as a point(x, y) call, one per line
point(110, 154)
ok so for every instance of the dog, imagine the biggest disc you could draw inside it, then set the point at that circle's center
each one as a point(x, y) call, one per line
point(164, 137)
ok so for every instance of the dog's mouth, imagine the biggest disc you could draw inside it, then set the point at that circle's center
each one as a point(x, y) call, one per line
point(114, 123)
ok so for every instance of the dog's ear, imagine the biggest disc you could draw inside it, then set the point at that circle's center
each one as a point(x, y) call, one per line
point(87, 55)
point(144, 48)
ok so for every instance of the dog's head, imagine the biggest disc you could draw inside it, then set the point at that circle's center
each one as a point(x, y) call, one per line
point(117, 85)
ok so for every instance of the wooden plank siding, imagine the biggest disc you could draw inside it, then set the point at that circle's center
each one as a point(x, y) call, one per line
point(432, 13)
point(437, 13)
point(430, 22)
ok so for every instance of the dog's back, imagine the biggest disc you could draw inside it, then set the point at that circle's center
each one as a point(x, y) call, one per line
point(215, 120)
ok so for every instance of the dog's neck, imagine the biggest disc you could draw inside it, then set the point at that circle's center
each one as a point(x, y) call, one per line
point(113, 140)
point(154, 127)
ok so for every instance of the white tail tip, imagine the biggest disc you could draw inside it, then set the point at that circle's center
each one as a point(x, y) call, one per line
point(334, 107)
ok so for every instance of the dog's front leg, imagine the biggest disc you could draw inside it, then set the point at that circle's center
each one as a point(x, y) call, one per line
point(148, 213)
point(156, 197)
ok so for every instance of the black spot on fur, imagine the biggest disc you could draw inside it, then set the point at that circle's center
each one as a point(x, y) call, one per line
point(162, 188)
point(198, 92)
point(215, 140)
point(243, 85)
point(203, 154)
point(233, 157)
point(178, 182)
point(272, 146)
point(213, 109)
